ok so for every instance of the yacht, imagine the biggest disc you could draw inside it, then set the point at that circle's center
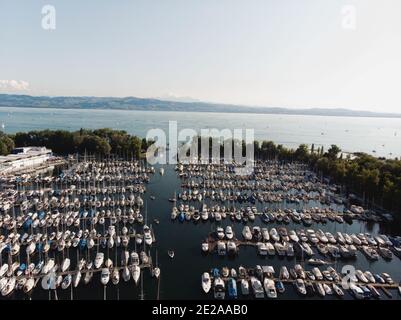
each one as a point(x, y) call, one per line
point(265, 234)
point(317, 273)
point(232, 288)
point(356, 291)
point(9, 287)
point(221, 248)
point(105, 276)
point(206, 282)
point(262, 249)
point(219, 289)
point(246, 233)
point(270, 288)
point(99, 260)
point(136, 273)
point(77, 278)
point(126, 274)
point(29, 284)
point(229, 233)
point(270, 249)
point(244, 287)
point(231, 247)
point(316, 262)
point(280, 286)
point(147, 235)
point(174, 213)
point(205, 246)
point(89, 273)
point(284, 274)
point(274, 234)
point(66, 281)
point(220, 233)
point(257, 288)
point(300, 286)
point(320, 289)
point(65, 265)
point(115, 277)
point(338, 290)
point(327, 289)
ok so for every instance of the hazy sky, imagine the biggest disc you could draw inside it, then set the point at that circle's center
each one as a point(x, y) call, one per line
point(289, 53)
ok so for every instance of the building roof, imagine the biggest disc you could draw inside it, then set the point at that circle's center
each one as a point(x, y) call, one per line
point(28, 152)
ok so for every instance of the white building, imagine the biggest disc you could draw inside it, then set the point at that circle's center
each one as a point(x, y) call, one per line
point(24, 158)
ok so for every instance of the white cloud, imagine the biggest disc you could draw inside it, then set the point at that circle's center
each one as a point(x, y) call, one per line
point(14, 85)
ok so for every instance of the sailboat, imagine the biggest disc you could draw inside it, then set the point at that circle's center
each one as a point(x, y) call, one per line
point(115, 278)
point(156, 270)
point(136, 273)
point(105, 276)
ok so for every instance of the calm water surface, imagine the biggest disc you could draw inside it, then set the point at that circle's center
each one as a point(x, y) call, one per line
point(379, 136)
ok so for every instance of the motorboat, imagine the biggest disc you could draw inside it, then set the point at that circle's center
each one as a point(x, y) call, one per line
point(320, 289)
point(327, 289)
point(274, 235)
point(134, 258)
point(361, 276)
point(270, 288)
point(338, 290)
point(356, 291)
point(374, 292)
point(265, 234)
point(232, 288)
point(317, 273)
point(229, 232)
point(29, 284)
point(9, 287)
point(280, 286)
point(66, 281)
point(65, 265)
point(105, 276)
point(206, 282)
point(88, 273)
point(257, 288)
point(284, 274)
point(76, 278)
point(219, 289)
point(99, 260)
point(244, 287)
point(246, 233)
point(147, 235)
point(220, 233)
point(231, 247)
point(316, 262)
point(126, 274)
point(221, 248)
point(115, 276)
point(300, 286)
point(270, 249)
point(262, 249)
point(136, 273)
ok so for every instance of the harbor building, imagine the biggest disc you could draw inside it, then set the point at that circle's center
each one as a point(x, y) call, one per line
point(24, 158)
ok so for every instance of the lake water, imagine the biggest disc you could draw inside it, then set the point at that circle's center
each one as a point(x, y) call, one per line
point(378, 136)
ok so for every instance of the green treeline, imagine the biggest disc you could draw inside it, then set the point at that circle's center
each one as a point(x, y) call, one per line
point(100, 142)
point(376, 180)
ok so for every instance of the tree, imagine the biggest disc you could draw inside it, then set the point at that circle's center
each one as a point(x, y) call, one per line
point(302, 152)
point(333, 152)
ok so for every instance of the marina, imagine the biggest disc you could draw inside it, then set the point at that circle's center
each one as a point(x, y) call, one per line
point(119, 226)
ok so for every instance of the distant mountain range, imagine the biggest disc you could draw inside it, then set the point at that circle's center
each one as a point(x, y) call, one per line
point(146, 104)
